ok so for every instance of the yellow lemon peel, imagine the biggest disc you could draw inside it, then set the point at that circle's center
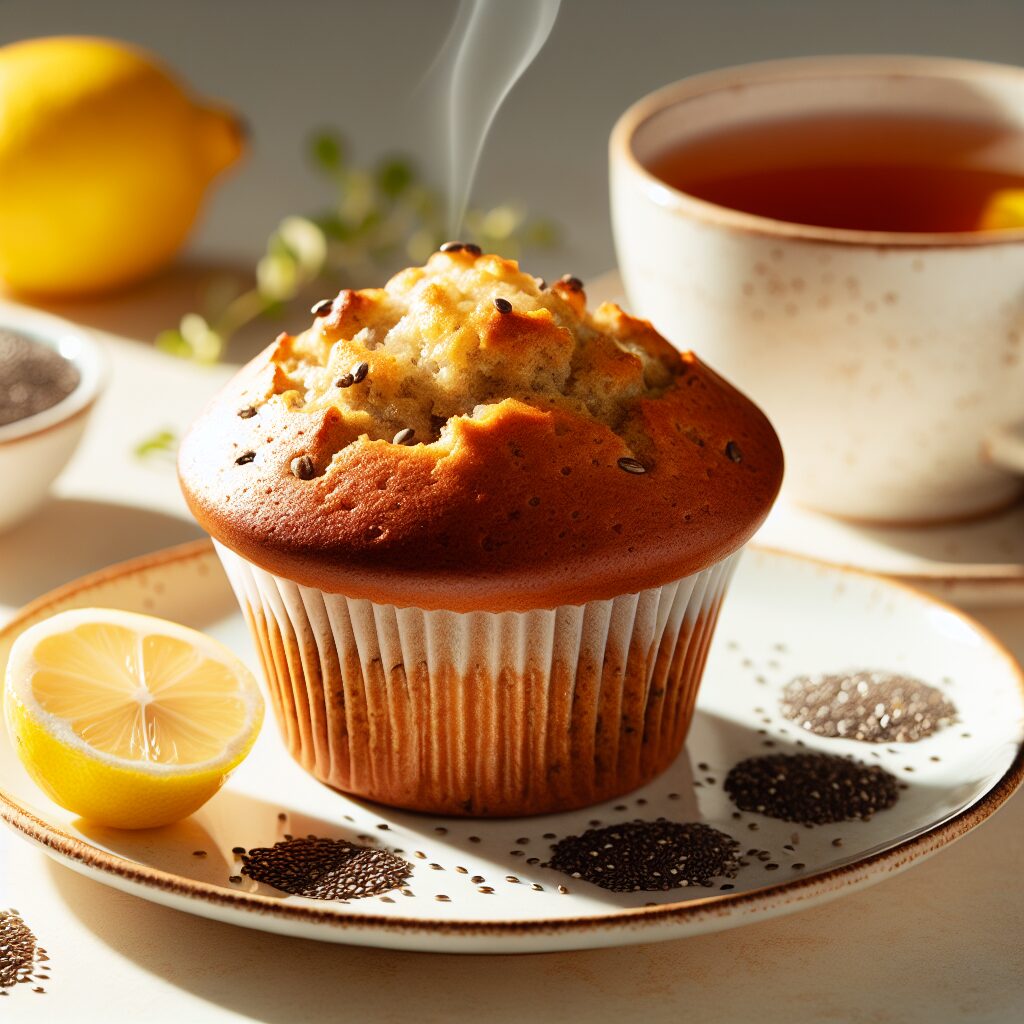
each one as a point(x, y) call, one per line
point(104, 162)
point(125, 719)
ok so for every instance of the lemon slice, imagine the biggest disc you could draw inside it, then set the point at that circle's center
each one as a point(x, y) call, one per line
point(125, 719)
point(1004, 209)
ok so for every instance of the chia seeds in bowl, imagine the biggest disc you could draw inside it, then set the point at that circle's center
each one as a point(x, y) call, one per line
point(51, 373)
point(34, 377)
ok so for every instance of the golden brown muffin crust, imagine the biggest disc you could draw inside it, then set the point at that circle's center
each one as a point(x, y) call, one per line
point(510, 492)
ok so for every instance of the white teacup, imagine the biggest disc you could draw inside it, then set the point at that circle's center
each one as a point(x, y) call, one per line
point(891, 364)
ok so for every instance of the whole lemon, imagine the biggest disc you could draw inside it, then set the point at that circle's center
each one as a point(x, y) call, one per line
point(104, 161)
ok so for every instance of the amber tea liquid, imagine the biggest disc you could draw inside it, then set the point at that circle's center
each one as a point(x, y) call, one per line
point(867, 172)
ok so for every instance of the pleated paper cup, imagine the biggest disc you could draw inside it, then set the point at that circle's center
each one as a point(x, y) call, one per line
point(481, 713)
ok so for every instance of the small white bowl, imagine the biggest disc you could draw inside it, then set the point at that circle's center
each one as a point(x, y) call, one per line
point(35, 449)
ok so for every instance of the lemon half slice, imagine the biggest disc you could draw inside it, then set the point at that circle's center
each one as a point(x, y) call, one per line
point(125, 719)
point(1004, 209)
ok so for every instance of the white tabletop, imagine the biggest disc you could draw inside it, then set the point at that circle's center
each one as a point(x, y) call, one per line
point(941, 942)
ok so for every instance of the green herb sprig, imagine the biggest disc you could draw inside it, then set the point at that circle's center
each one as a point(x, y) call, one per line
point(163, 444)
point(380, 219)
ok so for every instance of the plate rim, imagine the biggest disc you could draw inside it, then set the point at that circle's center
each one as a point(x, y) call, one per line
point(823, 884)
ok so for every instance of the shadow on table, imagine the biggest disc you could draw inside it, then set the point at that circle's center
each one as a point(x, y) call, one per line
point(66, 538)
point(183, 848)
point(995, 538)
point(239, 820)
point(280, 980)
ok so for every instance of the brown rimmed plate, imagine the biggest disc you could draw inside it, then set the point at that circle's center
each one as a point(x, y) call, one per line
point(785, 616)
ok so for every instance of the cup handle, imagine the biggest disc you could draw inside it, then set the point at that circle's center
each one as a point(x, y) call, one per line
point(1004, 447)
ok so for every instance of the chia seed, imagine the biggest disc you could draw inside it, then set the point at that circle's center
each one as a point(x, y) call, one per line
point(811, 789)
point(19, 952)
point(34, 377)
point(867, 705)
point(648, 855)
point(326, 869)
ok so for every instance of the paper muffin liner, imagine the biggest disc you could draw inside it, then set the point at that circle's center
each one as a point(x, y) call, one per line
point(482, 713)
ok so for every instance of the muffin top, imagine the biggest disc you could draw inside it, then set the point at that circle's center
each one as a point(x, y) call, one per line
point(470, 439)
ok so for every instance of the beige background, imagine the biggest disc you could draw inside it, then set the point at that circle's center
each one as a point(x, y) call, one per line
point(292, 66)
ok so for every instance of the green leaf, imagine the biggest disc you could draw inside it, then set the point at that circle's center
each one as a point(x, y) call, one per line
point(277, 246)
point(543, 234)
point(395, 175)
point(359, 197)
point(163, 442)
point(373, 219)
point(425, 203)
point(500, 222)
point(277, 277)
point(204, 342)
point(220, 292)
point(420, 245)
point(306, 242)
point(327, 150)
point(334, 227)
point(171, 342)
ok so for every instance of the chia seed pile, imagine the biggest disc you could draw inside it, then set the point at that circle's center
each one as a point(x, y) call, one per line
point(326, 869)
point(21, 957)
point(871, 706)
point(648, 856)
point(33, 377)
point(812, 789)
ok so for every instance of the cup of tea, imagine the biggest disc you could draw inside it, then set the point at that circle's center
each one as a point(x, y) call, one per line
point(843, 237)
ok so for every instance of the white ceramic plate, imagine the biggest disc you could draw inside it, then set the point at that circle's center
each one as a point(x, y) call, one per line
point(785, 616)
point(974, 564)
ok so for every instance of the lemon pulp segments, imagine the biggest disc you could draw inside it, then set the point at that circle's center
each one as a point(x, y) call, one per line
point(144, 698)
point(128, 720)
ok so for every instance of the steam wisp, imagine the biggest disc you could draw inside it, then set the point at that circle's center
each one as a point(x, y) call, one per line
point(490, 45)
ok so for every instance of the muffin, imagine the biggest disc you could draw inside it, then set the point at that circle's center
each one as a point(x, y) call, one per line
point(480, 535)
